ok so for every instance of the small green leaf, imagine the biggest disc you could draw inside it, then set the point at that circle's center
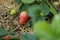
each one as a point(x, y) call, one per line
point(29, 36)
point(33, 11)
point(3, 32)
point(11, 31)
point(28, 1)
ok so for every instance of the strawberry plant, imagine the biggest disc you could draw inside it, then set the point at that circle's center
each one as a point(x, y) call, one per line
point(31, 20)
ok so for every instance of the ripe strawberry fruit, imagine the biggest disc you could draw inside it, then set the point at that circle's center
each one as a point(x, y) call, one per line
point(23, 17)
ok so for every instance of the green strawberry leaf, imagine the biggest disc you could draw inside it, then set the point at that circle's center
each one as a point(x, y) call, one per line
point(33, 11)
point(44, 8)
point(36, 19)
point(29, 36)
point(3, 32)
point(28, 1)
point(11, 31)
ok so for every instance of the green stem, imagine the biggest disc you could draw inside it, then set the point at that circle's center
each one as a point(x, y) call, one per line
point(51, 8)
point(18, 6)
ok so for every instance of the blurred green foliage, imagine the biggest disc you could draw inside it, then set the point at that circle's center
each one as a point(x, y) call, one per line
point(46, 31)
point(37, 10)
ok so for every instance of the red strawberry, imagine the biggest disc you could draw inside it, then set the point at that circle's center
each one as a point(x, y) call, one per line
point(23, 17)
